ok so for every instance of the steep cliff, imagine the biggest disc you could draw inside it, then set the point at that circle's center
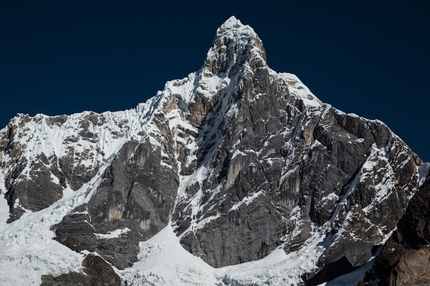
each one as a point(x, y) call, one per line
point(405, 257)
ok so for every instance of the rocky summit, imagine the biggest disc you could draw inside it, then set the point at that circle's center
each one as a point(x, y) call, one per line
point(234, 175)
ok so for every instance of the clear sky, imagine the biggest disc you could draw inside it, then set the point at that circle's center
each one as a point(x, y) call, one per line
point(371, 58)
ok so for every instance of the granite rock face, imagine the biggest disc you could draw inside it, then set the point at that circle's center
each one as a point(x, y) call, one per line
point(136, 193)
point(278, 162)
point(405, 257)
point(239, 159)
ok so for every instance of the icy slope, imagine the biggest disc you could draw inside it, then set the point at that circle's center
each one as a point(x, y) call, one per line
point(27, 250)
point(163, 261)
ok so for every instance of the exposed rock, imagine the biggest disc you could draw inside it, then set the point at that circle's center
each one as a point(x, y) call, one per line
point(136, 193)
point(282, 167)
point(96, 272)
point(405, 257)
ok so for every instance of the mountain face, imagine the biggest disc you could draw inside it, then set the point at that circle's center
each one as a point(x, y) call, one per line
point(236, 175)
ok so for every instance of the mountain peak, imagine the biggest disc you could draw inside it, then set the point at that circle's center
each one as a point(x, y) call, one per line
point(234, 45)
point(235, 163)
point(233, 23)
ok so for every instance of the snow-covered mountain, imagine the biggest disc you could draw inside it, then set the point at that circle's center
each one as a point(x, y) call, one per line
point(234, 175)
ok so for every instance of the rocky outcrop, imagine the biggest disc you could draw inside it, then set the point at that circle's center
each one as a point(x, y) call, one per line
point(405, 257)
point(95, 272)
point(136, 193)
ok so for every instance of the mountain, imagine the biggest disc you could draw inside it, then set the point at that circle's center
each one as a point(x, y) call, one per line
point(234, 175)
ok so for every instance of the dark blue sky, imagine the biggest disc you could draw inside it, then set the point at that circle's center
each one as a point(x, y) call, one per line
point(367, 57)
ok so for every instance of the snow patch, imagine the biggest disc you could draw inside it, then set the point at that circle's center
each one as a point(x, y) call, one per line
point(278, 268)
point(299, 89)
point(112, 234)
point(246, 200)
point(163, 261)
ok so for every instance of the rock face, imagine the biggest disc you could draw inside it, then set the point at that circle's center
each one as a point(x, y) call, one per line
point(44, 155)
point(405, 257)
point(96, 272)
point(136, 194)
point(239, 159)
